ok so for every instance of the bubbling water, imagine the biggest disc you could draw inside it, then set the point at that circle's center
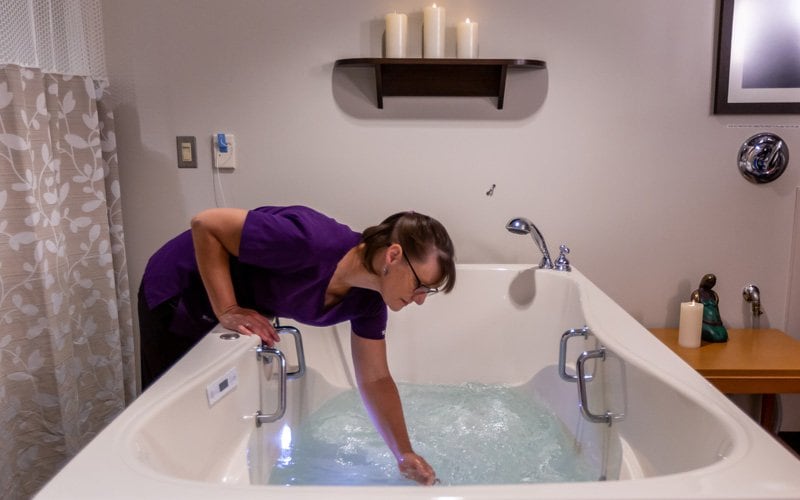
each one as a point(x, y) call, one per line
point(470, 434)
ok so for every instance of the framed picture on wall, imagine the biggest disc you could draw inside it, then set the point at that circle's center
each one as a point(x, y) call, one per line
point(758, 57)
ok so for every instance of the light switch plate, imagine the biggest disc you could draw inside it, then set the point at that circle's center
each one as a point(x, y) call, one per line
point(187, 151)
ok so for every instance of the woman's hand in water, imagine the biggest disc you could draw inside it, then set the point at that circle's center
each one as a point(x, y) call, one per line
point(413, 466)
point(249, 322)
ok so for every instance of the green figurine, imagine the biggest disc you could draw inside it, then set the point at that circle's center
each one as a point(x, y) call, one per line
point(713, 329)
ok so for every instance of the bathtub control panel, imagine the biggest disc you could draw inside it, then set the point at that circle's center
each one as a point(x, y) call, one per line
point(217, 389)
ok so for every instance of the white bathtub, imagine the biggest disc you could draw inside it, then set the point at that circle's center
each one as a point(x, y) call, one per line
point(679, 437)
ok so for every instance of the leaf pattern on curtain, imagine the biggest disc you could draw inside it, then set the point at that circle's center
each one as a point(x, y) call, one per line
point(66, 341)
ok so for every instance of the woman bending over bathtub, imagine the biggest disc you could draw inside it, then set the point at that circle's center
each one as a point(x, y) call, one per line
point(238, 268)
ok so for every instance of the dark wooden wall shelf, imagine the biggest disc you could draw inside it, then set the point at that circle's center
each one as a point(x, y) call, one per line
point(442, 77)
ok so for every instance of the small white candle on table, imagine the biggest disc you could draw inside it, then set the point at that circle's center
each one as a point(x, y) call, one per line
point(467, 40)
point(396, 35)
point(691, 324)
point(433, 31)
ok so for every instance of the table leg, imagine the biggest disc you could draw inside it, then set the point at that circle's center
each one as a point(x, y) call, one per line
point(768, 412)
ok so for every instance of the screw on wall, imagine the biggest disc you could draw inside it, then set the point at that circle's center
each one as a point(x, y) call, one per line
point(490, 192)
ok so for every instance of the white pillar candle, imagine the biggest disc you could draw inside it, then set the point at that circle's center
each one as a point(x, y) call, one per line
point(691, 324)
point(433, 32)
point(396, 35)
point(467, 40)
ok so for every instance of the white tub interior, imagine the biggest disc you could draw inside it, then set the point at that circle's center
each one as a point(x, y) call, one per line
point(676, 436)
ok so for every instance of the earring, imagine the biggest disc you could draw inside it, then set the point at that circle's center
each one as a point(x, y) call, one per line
point(385, 270)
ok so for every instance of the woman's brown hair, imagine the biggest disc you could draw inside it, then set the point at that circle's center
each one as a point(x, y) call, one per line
point(418, 235)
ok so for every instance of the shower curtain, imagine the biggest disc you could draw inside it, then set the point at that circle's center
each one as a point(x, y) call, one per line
point(66, 341)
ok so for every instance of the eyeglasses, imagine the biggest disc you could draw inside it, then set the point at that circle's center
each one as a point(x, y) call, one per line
point(421, 288)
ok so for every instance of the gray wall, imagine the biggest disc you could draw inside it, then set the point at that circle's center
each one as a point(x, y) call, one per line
point(612, 149)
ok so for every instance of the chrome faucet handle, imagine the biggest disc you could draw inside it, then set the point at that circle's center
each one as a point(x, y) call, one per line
point(562, 264)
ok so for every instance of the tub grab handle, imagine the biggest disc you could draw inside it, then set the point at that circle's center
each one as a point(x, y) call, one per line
point(264, 353)
point(583, 398)
point(562, 352)
point(298, 345)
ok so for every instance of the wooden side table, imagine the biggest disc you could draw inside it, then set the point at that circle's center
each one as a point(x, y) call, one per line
point(765, 362)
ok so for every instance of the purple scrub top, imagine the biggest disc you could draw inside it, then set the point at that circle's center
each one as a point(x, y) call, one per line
point(287, 257)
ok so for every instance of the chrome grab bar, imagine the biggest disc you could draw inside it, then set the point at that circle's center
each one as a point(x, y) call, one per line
point(263, 354)
point(583, 402)
point(562, 352)
point(298, 345)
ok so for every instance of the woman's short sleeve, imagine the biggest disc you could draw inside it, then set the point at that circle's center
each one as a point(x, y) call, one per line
point(285, 237)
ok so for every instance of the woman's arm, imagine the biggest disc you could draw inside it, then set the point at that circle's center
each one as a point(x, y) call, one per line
point(380, 396)
point(216, 234)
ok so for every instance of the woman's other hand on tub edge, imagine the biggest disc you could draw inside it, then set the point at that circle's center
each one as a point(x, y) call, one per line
point(415, 467)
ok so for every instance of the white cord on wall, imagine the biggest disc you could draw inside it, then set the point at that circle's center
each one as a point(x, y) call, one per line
point(217, 179)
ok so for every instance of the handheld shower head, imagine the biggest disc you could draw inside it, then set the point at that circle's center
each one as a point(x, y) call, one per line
point(752, 294)
point(521, 225)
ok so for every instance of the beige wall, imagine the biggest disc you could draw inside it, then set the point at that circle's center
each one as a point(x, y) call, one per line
point(613, 149)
